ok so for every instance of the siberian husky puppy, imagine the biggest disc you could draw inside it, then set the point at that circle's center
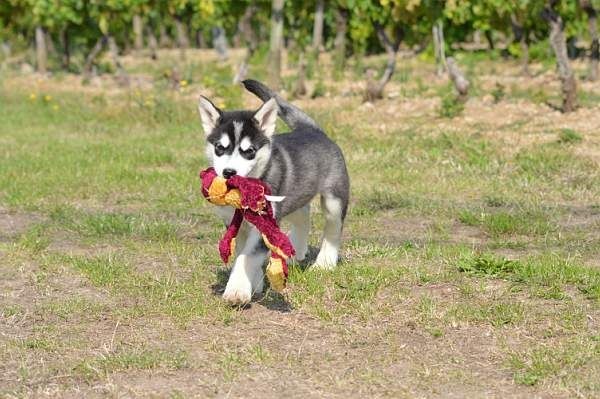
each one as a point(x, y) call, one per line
point(298, 166)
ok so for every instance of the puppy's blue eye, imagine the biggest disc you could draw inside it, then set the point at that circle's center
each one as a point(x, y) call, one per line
point(219, 149)
point(248, 153)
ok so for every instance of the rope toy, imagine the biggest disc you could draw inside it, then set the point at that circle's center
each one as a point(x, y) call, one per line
point(249, 197)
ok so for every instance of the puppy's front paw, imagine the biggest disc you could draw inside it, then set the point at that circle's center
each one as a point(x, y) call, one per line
point(238, 291)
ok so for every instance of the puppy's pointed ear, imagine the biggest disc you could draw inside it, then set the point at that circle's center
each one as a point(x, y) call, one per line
point(209, 114)
point(266, 117)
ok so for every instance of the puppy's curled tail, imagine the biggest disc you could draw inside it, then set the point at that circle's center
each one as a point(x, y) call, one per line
point(291, 115)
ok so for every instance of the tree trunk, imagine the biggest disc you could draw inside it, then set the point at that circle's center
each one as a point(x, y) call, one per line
point(183, 41)
point(300, 89)
point(524, 55)
point(126, 43)
point(276, 44)
point(375, 88)
point(5, 48)
point(245, 29)
point(89, 61)
point(439, 47)
point(458, 78)
point(182, 36)
point(572, 50)
point(477, 38)
point(175, 78)
point(5, 53)
point(122, 77)
point(242, 68)
point(236, 40)
point(164, 41)
point(220, 42)
point(49, 44)
point(317, 41)
point(521, 37)
point(152, 43)
point(66, 49)
point(595, 47)
point(341, 23)
point(200, 41)
point(490, 39)
point(558, 42)
point(40, 49)
point(138, 32)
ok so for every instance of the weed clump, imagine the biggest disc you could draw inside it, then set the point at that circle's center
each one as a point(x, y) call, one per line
point(569, 136)
point(487, 265)
point(451, 106)
point(498, 93)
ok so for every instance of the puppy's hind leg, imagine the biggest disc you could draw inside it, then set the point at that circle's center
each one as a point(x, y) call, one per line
point(334, 210)
point(300, 221)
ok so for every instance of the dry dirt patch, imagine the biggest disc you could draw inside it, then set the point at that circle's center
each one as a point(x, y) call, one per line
point(12, 224)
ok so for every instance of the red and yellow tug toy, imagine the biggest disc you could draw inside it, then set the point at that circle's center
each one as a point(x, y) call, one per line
point(248, 196)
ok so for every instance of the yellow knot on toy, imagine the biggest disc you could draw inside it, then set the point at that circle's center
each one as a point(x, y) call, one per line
point(276, 274)
point(220, 194)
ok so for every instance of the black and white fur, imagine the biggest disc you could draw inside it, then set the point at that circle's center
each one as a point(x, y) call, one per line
point(298, 165)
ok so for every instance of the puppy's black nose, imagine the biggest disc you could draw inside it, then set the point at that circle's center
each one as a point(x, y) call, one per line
point(227, 173)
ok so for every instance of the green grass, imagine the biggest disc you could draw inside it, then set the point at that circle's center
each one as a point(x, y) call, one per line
point(380, 200)
point(498, 93)
point(116, 225)
point(546, 271)
point(541, 362)
point(103, 271)
point(458, 227)
point(180, 299)
point(38, 344)
point(35, 239)
point(74, 308)
point(496, 314)
point(145, 359)
point(569, 136)
point(552, 160)
point(487, 265)
point(9, 311)
point(450, 106)
point(499, 223)
point(537, 95)
point(234, 362)
point(587, 98)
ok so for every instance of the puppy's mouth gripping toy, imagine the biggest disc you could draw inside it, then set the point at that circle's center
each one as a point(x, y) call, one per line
point(250, 198)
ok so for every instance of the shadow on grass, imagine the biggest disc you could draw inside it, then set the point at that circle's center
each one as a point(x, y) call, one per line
point(270, 299)
point(311, 257)
point(275, 301)
point(222, 276)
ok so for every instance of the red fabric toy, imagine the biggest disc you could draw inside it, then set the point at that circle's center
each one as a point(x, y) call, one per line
point(248, 196)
